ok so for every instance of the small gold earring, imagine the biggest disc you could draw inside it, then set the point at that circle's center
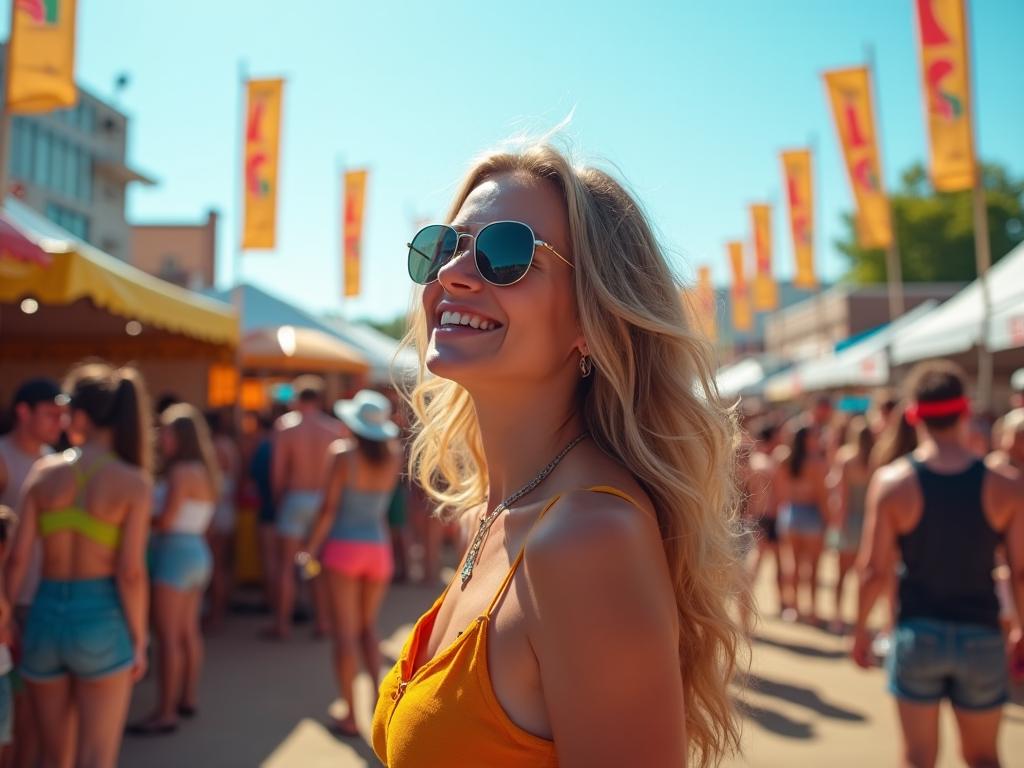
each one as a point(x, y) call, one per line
point(586, 366)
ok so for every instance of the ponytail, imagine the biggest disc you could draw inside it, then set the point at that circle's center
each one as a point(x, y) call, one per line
point(115, 399)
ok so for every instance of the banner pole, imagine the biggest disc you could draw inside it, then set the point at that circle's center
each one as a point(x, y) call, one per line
point(5, 113)
point(893, 265)
point(982, 246)
point(237, 291)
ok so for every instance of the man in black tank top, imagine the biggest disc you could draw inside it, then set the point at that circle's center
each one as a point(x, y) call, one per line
point(946, 513)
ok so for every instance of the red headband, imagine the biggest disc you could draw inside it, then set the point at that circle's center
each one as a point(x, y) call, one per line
point(936, 409)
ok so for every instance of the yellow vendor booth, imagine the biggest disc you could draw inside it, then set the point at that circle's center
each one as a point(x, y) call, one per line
point(86, 303)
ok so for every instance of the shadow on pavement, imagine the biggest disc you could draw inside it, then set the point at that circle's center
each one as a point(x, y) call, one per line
point(802, 650)
point(805, 697)
point(776, 722)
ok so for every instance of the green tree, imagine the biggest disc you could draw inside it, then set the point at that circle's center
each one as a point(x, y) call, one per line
point(395, 328)
point(935, 230)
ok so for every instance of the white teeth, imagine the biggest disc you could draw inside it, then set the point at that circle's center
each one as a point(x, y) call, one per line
point(457, 318)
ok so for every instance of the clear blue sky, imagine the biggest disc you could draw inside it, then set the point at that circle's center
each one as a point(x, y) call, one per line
point(691, 101)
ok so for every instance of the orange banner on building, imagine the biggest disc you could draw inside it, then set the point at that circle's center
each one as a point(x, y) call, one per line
point(42, 57)
point(352, 232)
point(766, 290)
point(850, 93)
point(262, 144)
point(742, 314)
point(945, 75)
point(796, 166)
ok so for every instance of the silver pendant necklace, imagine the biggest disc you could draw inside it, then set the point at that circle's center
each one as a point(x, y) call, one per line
point(485, 524)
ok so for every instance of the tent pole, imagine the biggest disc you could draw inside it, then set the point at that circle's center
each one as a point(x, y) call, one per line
point(983, 258)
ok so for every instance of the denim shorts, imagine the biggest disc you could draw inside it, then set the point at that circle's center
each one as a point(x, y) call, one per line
point(76, 628)
point(6, 709)
point(801, 519)
point(297, 513)
point(931, 660)
point(181, 561)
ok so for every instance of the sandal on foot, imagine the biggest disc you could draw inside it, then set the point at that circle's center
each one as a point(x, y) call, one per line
point(343, 730)
point(151, 728)
point(184, 710)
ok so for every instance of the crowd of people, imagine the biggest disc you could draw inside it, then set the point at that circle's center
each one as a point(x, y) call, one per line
point(117, 526)
point(593, 620)
point(925, 503)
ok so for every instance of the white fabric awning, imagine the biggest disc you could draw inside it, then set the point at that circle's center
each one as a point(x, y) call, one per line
point(956, 326)
point(862, 364)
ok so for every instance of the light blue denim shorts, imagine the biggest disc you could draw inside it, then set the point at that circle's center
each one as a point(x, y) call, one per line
point(76, 628)
point(6, 710)
point(801, 519)
point(297, 513)
point(181, 561)
point(966, 663)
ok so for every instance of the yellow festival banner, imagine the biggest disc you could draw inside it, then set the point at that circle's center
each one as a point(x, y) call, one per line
point(850, 93)
point(796, 165)
point(352, 229)
point(262, 143)
point(766, 290)
point(945, 74)
point(742, 315)
point(42, 57)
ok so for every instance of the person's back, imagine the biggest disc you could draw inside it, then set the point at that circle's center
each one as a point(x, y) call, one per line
point(298, 462)
point(101, 491)
point(87, 627)
point(946, 512)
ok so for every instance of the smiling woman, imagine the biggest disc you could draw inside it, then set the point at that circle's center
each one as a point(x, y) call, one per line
point(570, 418)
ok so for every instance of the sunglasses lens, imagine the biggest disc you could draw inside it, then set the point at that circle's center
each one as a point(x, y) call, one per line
point(430, 250)
point(504, 251)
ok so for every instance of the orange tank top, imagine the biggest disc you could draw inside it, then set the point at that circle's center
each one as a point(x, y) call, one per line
point(445, 712)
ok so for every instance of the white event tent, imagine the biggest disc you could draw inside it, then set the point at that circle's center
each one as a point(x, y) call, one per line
point(956, 326)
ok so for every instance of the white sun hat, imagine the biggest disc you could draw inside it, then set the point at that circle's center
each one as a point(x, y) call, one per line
point(367, 414)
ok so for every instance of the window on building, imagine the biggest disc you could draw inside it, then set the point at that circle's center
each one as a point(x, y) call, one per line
point(75, 223)
point(42, 157)
point(21, 149)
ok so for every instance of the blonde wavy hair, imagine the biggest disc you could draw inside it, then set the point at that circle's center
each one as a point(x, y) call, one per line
point(651, 403)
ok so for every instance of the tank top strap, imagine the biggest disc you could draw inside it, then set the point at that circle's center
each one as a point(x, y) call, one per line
point(82, 479)
point(522, 551)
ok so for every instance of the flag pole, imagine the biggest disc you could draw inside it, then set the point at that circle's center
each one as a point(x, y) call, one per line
point(5, 113)
point(819, 291)
point(982, 246)
point(237, 291)
point(339, 179)
point(893, 265)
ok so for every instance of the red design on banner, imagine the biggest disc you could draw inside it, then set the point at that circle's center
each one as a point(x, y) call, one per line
point(931, 32)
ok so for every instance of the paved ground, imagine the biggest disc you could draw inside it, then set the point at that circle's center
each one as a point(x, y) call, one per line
point(262, 703)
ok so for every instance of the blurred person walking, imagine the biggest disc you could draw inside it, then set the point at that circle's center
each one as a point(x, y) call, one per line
point(848, 482)
point(357, 555)
point(85, 640)
point(8, 520)
point(947, 513)
point(803, 501)
point(762, 506)
point(298, 462)
point(225, 516)
point(39, 419)
point(181, 562)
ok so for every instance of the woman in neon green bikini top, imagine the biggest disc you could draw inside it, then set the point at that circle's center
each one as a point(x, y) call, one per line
point(90, 506)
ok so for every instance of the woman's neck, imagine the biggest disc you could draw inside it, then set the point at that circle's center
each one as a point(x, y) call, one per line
point(97, 441)
point(521, 434)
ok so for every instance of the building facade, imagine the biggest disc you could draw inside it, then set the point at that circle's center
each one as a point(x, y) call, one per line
point(183, 254)
point(70, 165)
point(815, 326)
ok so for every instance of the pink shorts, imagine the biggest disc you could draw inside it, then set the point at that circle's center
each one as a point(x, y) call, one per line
point(359, 559)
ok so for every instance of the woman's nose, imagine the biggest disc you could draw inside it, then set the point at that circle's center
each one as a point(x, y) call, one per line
point(461, 273)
